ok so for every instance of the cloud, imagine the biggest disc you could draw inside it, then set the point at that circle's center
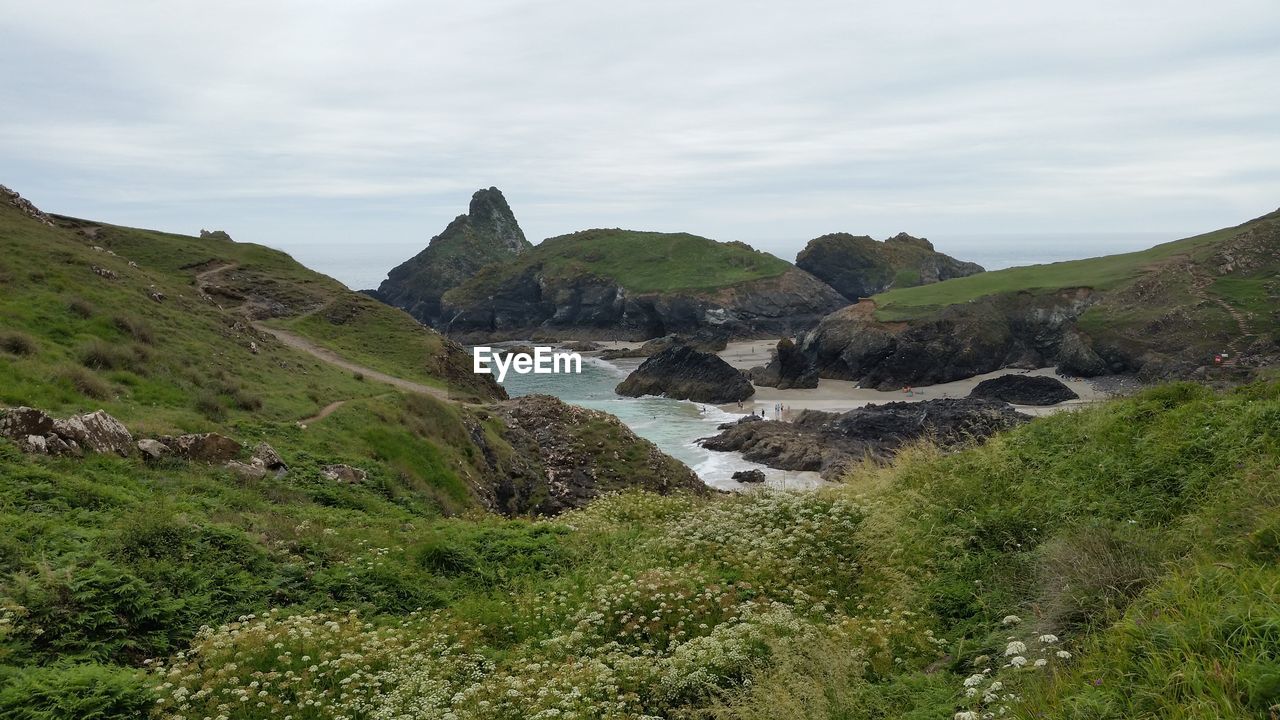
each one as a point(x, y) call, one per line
point(306, 124)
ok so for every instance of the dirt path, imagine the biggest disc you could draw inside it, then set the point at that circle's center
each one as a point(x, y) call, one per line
point(1198, 286)
point(325, 412)
point(297, 342)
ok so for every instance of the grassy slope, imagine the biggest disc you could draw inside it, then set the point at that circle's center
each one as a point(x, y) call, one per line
point(1102, 273)
point(1143, 534)
point(639, 261)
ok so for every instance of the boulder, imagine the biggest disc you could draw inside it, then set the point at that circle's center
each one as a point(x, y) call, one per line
point(152, 449)
point(686, 374)
point(211, 448)
point(246, 471)
point(20, 422)
point(1024, 390)
point(343, 473)
point(96, 432)
point(789, 368)
point(749, 476)
point(267, 457)
point(35, 444)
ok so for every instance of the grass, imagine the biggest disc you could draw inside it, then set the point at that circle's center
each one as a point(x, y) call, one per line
point(1139, 536)
point(1101, 273)
point(638, 261)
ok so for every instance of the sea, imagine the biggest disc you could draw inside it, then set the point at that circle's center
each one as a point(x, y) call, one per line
point(675, 426)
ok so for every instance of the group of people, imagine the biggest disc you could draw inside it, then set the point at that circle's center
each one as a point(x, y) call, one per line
point(781, 411)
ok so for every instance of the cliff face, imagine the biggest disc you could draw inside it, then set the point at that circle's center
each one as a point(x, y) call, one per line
point(858, 266)
point(488, 233)
point(534, 302)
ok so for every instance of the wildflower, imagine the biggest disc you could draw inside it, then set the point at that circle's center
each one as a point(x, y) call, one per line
point(996, 686)
point(1015, 647)
point(1011, 620)
point(1063, 654)
point(1018, 661)
point(966, 715)
point(1048, 638)
point(973, 680)
point(1041, 662)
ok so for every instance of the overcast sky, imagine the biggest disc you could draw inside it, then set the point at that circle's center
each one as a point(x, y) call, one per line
point(350, 133)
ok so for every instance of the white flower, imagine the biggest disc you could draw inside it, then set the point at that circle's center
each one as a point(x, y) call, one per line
point(974, 680)
point(1018, 661)
point(971, 692)
point(1011, 620)
point(1017, 647)
point(1063, 654)
point(966, 715)
point(1048, 638)
point(1041, 662)
point(996, 686)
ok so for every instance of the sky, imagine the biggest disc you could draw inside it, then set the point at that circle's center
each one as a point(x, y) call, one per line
point(349, 133)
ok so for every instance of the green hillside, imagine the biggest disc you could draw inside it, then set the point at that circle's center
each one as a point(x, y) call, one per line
point(1101, 273)
point(639, 261)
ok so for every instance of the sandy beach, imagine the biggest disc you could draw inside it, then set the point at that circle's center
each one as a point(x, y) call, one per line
point(842, 395)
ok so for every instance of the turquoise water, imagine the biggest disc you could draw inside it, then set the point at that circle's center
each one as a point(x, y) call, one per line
point(672, 425)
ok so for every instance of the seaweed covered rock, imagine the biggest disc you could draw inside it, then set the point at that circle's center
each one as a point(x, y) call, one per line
point(1024, 390)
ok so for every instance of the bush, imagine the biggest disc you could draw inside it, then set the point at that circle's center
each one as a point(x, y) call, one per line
point(135, 327)
point(209, 404)
point(80, 308)
point(85, 382)
point(101, 355)
point(76, 692)
point(1092, 573)
point(16, 343)
point(247, 401)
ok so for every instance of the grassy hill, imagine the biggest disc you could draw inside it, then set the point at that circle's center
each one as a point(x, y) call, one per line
point(641, 262)
point(1101, 273)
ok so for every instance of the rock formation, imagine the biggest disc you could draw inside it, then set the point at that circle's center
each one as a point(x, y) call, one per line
point(1024, 390)
point(562, 456)
point(789, 368)
point(829, 442)
point(686, 374)
point(488, 233)
point(859, 267)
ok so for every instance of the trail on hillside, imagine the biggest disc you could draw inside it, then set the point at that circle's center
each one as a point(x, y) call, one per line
point(1199, 285)
point(298, 342)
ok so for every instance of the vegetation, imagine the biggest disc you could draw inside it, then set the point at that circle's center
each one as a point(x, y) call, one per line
point(638, 261)
point(1064, 569)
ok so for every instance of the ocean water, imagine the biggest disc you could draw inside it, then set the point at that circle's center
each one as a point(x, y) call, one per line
point(672, 425)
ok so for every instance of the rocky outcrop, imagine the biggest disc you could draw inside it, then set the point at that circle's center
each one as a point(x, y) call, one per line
point(1022, 330)
point(1024, 390)
point(859, 267)
point(749, 476)
point(553, 457)
point(829, 443)
point(789, 368)
point(152, 449)
point(24, 205)
point(683, 373)
point(565, 288)
point(487, 234)
point(36, 432)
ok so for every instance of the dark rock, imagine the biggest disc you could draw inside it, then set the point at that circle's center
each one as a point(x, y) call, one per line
point(25, 206)
point(20, 422)
point(487, 234)
point(1024, 390)
point(344, 473)
point(686, 374)
point(859, 267)
point(210, 448)
point(829, 443)
point(96, 432)
point(744, 419)
point(789, 368)
point(749, 476)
